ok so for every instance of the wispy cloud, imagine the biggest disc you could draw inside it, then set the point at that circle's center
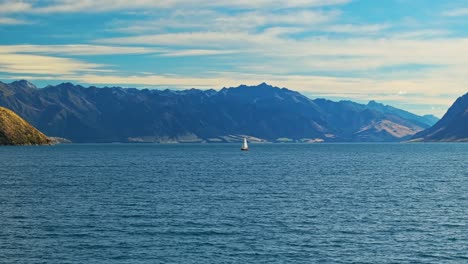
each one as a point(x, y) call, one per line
point(12, 21)
point(52, 60)
point(76, 49)
point(290, 18)
point(190, 39)
point(325, 53)
point(90, 6)
point(322, 47)
point(424, 33)
point(195, 52)
point(456, 12)
point(47, 65)
point(210, 20)
point(356, 29)
point(14, 7)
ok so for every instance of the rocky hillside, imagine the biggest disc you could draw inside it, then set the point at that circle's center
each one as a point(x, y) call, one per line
point(16, 131)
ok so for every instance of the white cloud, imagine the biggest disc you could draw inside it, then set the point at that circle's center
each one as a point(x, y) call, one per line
point(14, 7)
point(195, 39)
point(12, 21)
point(316, 52)
point(402, 92)
point(76, 49)
point(273, 4)
point(210, 20)
point(195, 52)
point(286, 43)
point(254, 20)
point(47, 65)
point(37, 59)
point(456, 12)
point(424, 33)
point(356, 29)
point(92, 6)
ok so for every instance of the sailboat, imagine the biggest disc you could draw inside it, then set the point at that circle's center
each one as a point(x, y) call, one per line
point(245, 147)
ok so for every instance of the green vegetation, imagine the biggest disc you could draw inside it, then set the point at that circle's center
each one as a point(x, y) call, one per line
point(16, 131)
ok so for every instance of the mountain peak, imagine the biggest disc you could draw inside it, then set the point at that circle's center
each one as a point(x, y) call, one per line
point(265, 85)
point(374, 103)
point(66, 84)
point(69, 85)
point(24, 84)
point(260, 85)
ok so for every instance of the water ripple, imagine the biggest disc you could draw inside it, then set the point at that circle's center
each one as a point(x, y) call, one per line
point(328, 203)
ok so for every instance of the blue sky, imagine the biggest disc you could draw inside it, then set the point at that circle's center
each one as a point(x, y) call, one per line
point(412, 54)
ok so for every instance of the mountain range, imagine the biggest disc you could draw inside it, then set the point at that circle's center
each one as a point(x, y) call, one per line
point(452, 127)
point(262, 112)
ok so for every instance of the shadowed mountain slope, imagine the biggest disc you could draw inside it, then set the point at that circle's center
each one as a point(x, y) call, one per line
point(452, 127)
point(120, 115)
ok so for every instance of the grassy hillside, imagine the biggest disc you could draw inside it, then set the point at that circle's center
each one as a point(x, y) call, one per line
point(16, 131)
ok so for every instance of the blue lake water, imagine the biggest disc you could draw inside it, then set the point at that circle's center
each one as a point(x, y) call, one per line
point(212, 203)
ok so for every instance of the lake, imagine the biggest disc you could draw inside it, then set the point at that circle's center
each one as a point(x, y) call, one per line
point(212, 203)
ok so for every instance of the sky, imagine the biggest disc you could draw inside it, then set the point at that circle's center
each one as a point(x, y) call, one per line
point(412, 54)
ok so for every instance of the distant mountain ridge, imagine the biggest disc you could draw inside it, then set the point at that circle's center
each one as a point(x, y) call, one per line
point(265, 112)
point(453, 127)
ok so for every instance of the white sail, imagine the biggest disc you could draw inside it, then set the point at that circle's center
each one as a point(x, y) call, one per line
point(245, 146)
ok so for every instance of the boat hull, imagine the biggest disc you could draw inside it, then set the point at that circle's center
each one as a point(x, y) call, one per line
point(244, 149)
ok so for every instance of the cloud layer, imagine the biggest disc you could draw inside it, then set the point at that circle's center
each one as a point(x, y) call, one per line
point(323, 48)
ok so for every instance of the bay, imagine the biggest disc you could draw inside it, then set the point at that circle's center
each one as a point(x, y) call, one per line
point(212, 203)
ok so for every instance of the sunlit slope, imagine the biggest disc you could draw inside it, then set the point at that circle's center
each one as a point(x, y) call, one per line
point(16, 131)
